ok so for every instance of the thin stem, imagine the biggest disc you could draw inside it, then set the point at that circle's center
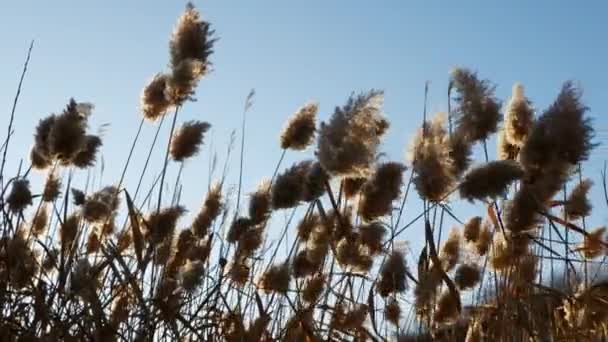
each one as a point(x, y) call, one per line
point(162, 178)
point(10, 123)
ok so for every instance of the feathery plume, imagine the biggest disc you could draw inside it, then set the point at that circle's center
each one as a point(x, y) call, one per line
point(478, 112)
point(184, 79)
point(347, 145)
point(314, 186)
point(432, 164)
point(482, 245)
point(260, 203)
point(78, 197)
point(209, 212)
point(578, 205)
point(40, 221)
point(160, 225)
point(153, 102)
point(39, 160)
point(561, 134)
point(450, 251)
point(489, 180)
point(299, 132)
point(191, 38)
point(68, 231)
point(372, 236)
point(52, 187)
point(101, 204)
point(472, 229)
point(351, 186)
point(379, 192)
point(87, 156)
point(289, 186)
point(460, 151)
point(306, 225)
point(594, 243)
point(313, 288)
point(392, 275)
point(519, 117)
point(192, 275)
point(505, 150)
point(276, 279)
point(392, 311)
point(187, 140)
point(20, 196)
point(446, 310)
point(238, 227)
point(67, 135)
point(467, 276)
point(41, 138)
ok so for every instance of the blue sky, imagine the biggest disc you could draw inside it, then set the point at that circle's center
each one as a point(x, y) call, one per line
point(291, 52)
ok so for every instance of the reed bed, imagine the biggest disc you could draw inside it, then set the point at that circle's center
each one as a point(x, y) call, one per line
point(97, 265)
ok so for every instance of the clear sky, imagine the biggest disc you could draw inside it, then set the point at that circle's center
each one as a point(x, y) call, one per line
point(290, 52)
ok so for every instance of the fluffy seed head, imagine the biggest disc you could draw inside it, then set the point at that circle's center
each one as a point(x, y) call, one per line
point(467, 276)
point(87, 156)
point(314, 186)
point(446, 310)
point(238, 227)
point(184, 79)
point(101, 204)
point(211, 209)
point(260, 203)
point(289, 187)
point(478, 111)
point(347, 145)
point(187, 140)
point(392, 311)
point(392, 275)
point(20, 196)
point(434, 172)
point(372, 236)
point(192, 275)
point(351, 186)
point(276, 279)
point(314, 288)
point(562, 134)
point(306, 225)
point(472, 229)
point(594, 244)
point(40, 221)
point(484, 240)
point(68, 231)
point(51, 188)
point(67, 136)
point(450, 251)
point(519, 117)
point(39, 160)
point(490, 180)
point(153, 101)
point(578, 205)
point(379, 192)
point(191, 38)
point(504, 149)
point(299, 132)
point(161, 224)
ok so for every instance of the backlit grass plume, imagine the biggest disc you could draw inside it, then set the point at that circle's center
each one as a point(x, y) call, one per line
point(299, 132)
point(187, 140)
point(348, 143)
point(519, 117)
point(489, 180)
point(478, 111)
